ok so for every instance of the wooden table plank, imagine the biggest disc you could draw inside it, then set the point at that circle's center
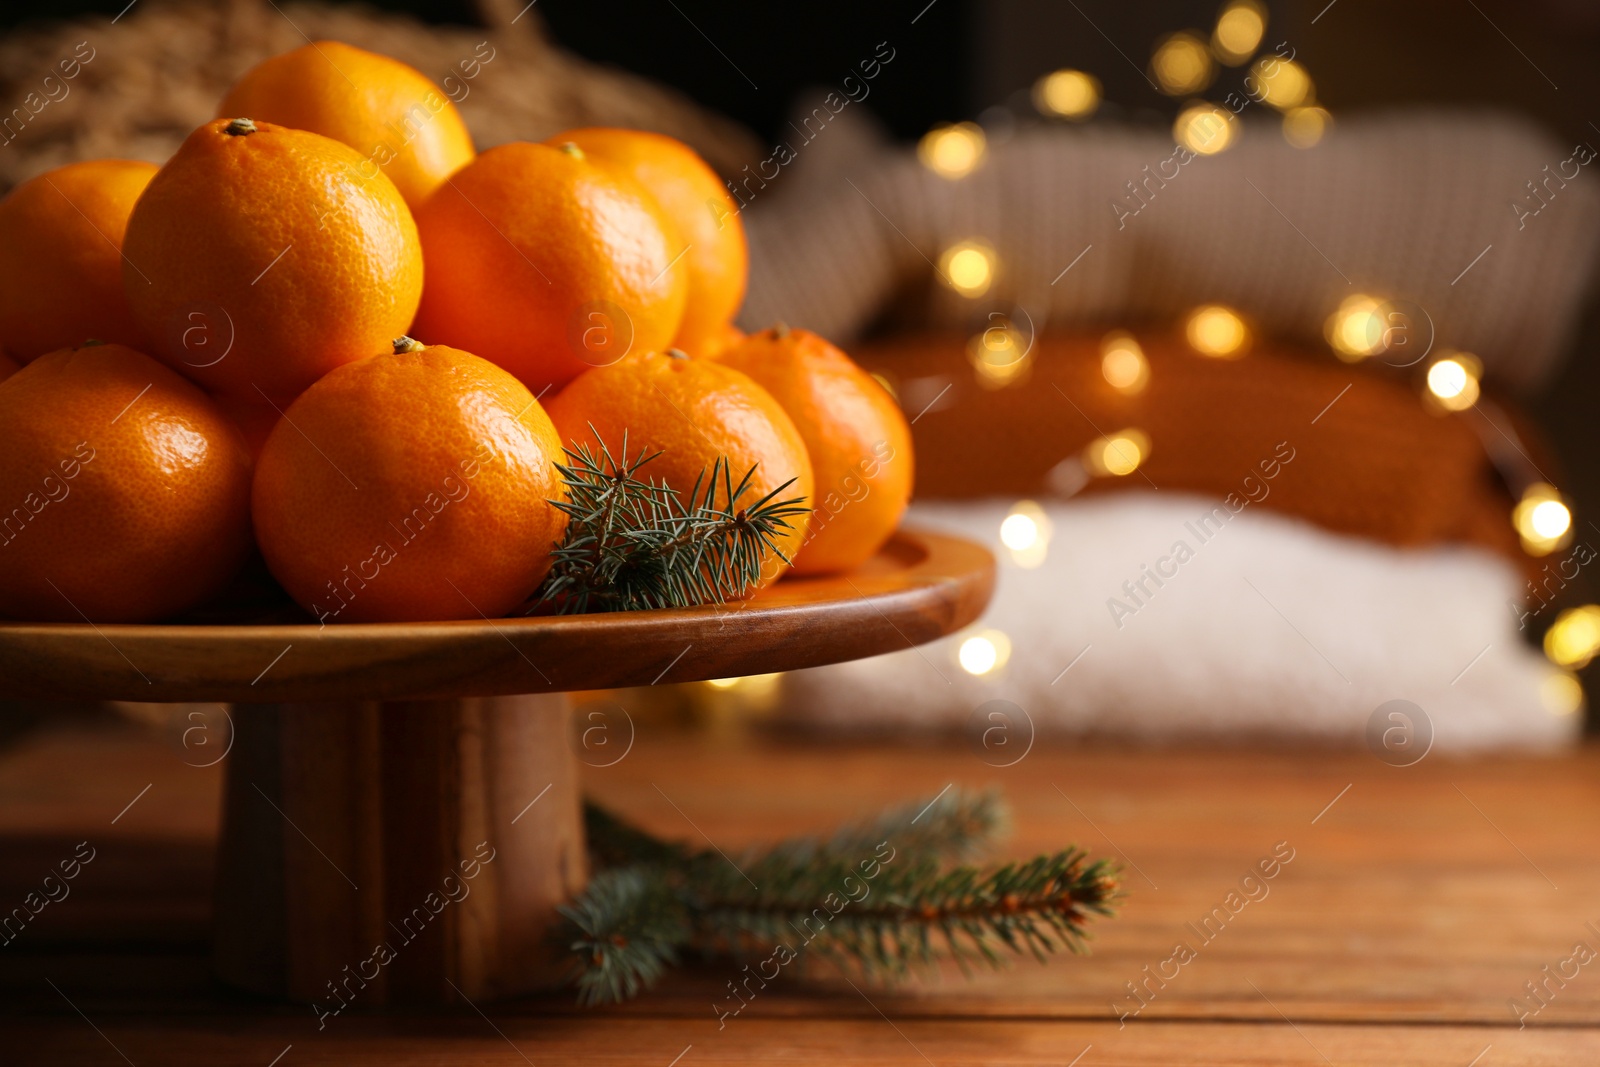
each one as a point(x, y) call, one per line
point(502, 1040)
point(1414, 908)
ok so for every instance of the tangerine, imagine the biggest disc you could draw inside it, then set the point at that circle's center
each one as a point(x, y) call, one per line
point(704, 215)
point(126, 491)
point(693, 412)
point(265, 259)
point(61, 256)
point(855, 434)
point(410, 486)
point(387, 111)
point(546, 264)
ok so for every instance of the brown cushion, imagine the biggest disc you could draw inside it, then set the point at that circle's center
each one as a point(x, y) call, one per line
point(1376, 463)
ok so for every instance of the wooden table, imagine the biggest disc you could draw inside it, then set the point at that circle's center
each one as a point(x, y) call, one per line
point(1417, 904)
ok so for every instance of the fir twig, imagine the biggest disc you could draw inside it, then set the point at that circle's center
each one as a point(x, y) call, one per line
point(878, 897)
point(632, 543)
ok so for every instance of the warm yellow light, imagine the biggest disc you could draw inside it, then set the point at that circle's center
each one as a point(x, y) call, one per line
point(1357, 330)
point(1122, 363)
point(723, 683)
point(1000, 354)
point(1204, 129)
point(1117, 454)
point(953, 151)
point(1550, 519)
point(1214, 330)
point(1453, 381)
point(1303, 127)
point(1561, 693)
point(984, 652)
point(1542, 519)
point(1182, 64)
point(1019, 531)
point(1025, 533)
point(968, 267)
point(1574, 638)
point(1282, 83)
point(1068, 94)
point(1239, 31)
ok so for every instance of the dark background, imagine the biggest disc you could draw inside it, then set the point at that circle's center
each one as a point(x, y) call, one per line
point(959, 57)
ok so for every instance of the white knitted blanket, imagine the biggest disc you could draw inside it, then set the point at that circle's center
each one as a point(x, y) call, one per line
point(1489, 226)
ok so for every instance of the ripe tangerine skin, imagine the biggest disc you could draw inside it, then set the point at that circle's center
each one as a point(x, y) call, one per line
point(856, 435)
point(410, 487)
point(387, 111)
point(60, 256)
point(692, 411)
point(266, 259)
point(142, 487)
point(701, 210)
point(544, 263)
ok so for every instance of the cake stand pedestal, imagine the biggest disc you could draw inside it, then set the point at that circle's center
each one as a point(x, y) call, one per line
point(402, 813)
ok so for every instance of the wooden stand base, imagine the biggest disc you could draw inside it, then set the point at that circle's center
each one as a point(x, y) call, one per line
point(381, 853)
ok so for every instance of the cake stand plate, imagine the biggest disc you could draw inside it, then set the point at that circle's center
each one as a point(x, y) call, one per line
point(402, 812)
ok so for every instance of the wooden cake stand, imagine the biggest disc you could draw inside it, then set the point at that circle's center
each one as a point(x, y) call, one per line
point(402, 813)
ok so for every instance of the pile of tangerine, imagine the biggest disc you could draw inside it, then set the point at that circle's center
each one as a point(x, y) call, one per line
point(217, 357)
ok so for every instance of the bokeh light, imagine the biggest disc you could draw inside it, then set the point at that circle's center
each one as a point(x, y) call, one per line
point(1025, 533)
point(1238, 32)
point(1542, 519)
point(1123, 363)
point(1117, 454)
point(1204, 129)
point(999, 354)
point(984, 652)
point(1357, 329)
point(1218, 331)
point(1282, 83)
point(953, 151)
point(1182, 64)
point(1067, 94)
point(1303, 127)
point(968, 267)
point(1574, 638)
point(1561, 693)
point(1453, 381)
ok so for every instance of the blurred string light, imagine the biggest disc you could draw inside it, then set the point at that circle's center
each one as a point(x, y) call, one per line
point(1561, 693)
point(1025, 533)
point(1117, 454)
point(968, 267)
point(1123, 364)
point(1217, 331)
point(984, 652)
point(999, 354)
point(1282, 83)
point(1453, 381)
point(1574, 638)
point(1303, 127)
point(1067, 94)
point(1542, 519)
point(1181, 64)
point(953, 151)
point(1357, 329)
point(1238, 32)
point(1204, 129)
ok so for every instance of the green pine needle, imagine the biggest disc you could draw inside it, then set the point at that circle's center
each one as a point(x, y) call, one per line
point(880, 897)
point(633, 543)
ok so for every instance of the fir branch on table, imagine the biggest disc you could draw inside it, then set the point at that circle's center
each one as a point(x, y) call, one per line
point(633, 543)
point(913, 910)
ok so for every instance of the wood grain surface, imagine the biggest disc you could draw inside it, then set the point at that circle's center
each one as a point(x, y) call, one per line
point(920, 586)
point(1417, 905)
